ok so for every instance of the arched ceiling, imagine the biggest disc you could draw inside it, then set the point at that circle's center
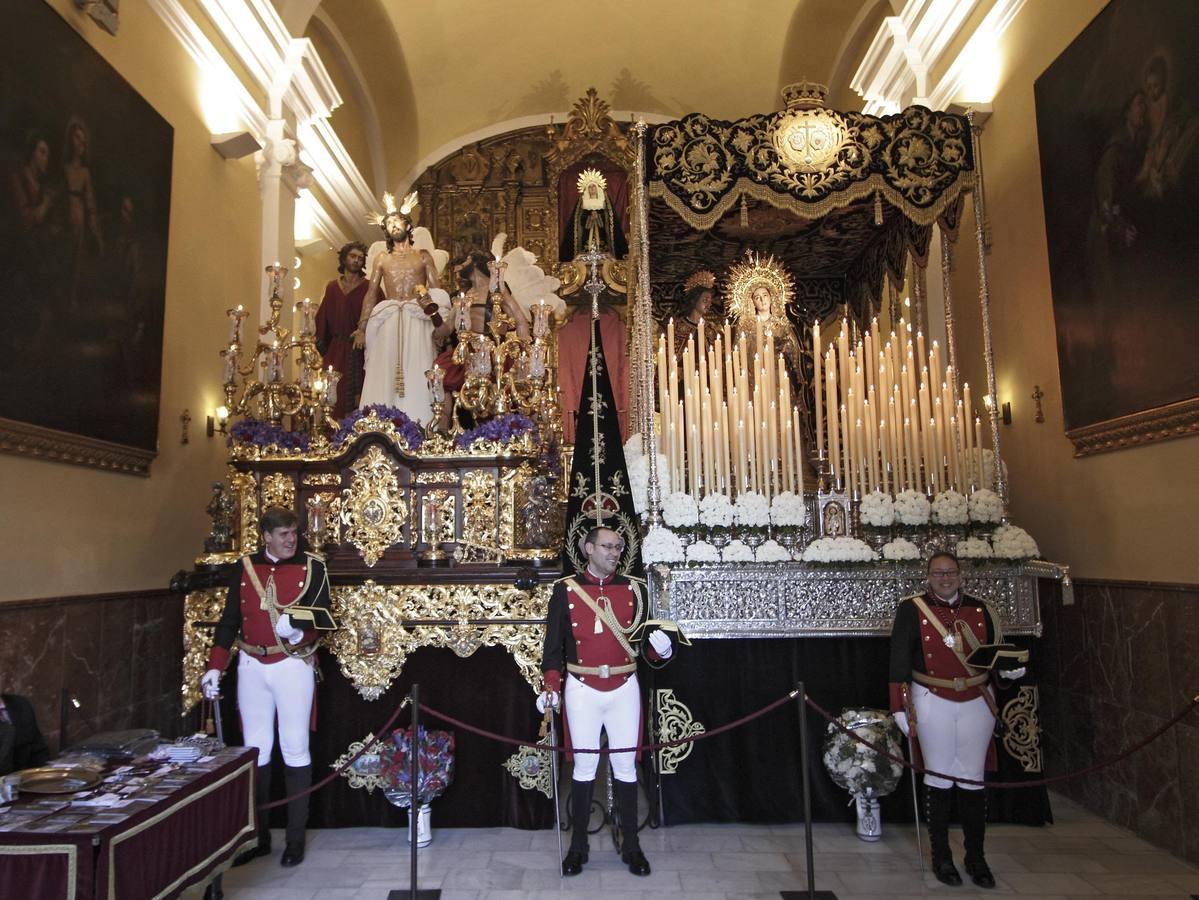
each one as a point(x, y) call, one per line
point(441, 69)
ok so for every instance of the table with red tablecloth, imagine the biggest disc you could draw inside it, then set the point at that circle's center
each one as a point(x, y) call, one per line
point(157, 849)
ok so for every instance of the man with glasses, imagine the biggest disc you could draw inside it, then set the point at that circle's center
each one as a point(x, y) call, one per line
point(948, 708)
point(594, 633)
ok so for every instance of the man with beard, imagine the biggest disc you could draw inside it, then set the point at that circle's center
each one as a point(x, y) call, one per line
point(336, 321)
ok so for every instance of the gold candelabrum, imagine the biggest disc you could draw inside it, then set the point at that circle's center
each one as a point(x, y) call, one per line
point(265, 390)
point(505, 373)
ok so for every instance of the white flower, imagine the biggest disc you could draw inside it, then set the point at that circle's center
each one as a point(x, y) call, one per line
point(788, 509)
point(900, 548)
point(661, 545)
point(773, 551)
point(877, 510)
point(973, 548)
point(639, 481)
point(632, 448)
point(839, 549)
point(738, 551)
point(911, 508)
point(702, 551)
point(985, 506)
point(949, 508)
point(716, 511)
point(1013, 542)
point(752, 510)
point(679, 510)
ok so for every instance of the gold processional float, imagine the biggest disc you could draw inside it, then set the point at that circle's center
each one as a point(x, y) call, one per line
point(790, 475)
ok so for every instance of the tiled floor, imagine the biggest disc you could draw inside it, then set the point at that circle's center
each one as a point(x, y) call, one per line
point(1080, 856)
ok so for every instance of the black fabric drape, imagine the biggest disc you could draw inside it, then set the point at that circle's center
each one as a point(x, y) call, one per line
point(752, 774)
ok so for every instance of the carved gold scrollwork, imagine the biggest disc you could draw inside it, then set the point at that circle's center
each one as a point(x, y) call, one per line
point(323, 479)
point(367, 770)
point(479, 529)
point(278, 489)
point(532, 769)
point(199, 606)
point(374, 508)
point(437, 476)
point(380, 625)
point(675, 721)
point(1022, 737)
point(243, 488)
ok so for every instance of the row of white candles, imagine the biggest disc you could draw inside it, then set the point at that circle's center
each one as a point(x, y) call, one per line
point(887, 426)
point(727, 421)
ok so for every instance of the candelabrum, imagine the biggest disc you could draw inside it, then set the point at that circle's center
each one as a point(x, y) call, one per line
point(265, 391)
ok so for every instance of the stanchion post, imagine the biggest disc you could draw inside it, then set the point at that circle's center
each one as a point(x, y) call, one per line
point(414, 807)
point(813, 894)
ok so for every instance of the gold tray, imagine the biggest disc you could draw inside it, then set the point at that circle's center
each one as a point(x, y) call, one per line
point(49, 780)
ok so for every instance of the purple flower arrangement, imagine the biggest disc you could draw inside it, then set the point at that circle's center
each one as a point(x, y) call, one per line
point(261, 433)
point(501, 429)
point(435, 765)
point(405, 426)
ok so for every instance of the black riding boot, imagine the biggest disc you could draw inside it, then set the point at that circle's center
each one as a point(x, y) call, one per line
point(973, 807)
point(580, 817)
point(262, 794)
point(630, 845)
point(297, 779)
point(937, 803)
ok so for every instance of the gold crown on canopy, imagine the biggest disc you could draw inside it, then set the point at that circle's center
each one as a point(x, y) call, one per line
point(805, 95)
point(704, 277)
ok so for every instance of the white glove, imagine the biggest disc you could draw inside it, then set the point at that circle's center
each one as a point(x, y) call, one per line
point(287, 631)
point(1013, 674)
point(661, 644)
point(901, 719)
point(547, 698)
point(210, 684)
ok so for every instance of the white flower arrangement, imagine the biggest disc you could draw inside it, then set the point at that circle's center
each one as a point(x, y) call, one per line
point(702, 552)
point(661, 545)
point(788, 510)
point(679, 510)
point(911, 508)
point(639, 481)
point(1013, 542)
point(839, 549)
point(752, 510)
point(949, 508)
point(773, 551)
point(900, 548)
point(632, 448)
point(738, 551)
point(877, 509)
point(973, 548)
point(986, 478)
point(985, 506)
point(716, 511)
point(855, 767)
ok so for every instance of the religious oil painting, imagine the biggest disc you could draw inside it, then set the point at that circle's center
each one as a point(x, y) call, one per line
point(1118, 125)
point(86, 189)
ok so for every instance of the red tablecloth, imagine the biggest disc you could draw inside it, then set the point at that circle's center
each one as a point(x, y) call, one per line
point(156, 852)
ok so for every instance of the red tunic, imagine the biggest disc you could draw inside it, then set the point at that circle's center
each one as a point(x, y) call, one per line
point(291, 582)
point(336, 321)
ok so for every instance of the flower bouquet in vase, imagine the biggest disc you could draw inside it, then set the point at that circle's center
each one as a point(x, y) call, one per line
point(435, 771)
point(853, 766)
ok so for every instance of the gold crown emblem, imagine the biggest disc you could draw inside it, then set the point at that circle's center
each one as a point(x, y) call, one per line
point(702, 278)
point(805, 95)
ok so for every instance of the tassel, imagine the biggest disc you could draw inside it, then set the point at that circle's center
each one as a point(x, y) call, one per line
point(270, 596)
point(599, 629)
point(399, 382)
point(878, 209)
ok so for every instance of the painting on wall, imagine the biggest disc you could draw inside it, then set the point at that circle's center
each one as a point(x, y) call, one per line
point(84, 213)
point(1118, 127)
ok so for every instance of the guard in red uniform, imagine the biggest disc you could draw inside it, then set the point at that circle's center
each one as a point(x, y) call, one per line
point(948, 705)
point(277, 605)
point(595, 632)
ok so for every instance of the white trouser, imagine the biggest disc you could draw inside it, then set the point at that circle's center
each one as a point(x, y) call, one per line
point(954, 737)
point(285, 687)
point(618, 712)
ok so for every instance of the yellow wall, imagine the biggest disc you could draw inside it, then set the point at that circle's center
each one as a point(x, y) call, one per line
point(70, 530)
point(1124, 515)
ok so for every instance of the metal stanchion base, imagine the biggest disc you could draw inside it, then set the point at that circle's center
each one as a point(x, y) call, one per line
point(421, 894)
point(804, 895)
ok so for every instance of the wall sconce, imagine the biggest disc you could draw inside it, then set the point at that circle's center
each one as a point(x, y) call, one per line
point(1005, 413)
point(218, 422)
point(235, 144)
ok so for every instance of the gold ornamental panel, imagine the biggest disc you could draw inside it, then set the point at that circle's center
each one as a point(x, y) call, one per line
point(479, 509)
point(532, 769)
point(323, 479)
point(809, 140)
point(675, 722)
point(374, 507)
point(1022, 737)
point(244, 489)
point(199, 606)
point(279, 490)
point(381, 625)
point(437, 476)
